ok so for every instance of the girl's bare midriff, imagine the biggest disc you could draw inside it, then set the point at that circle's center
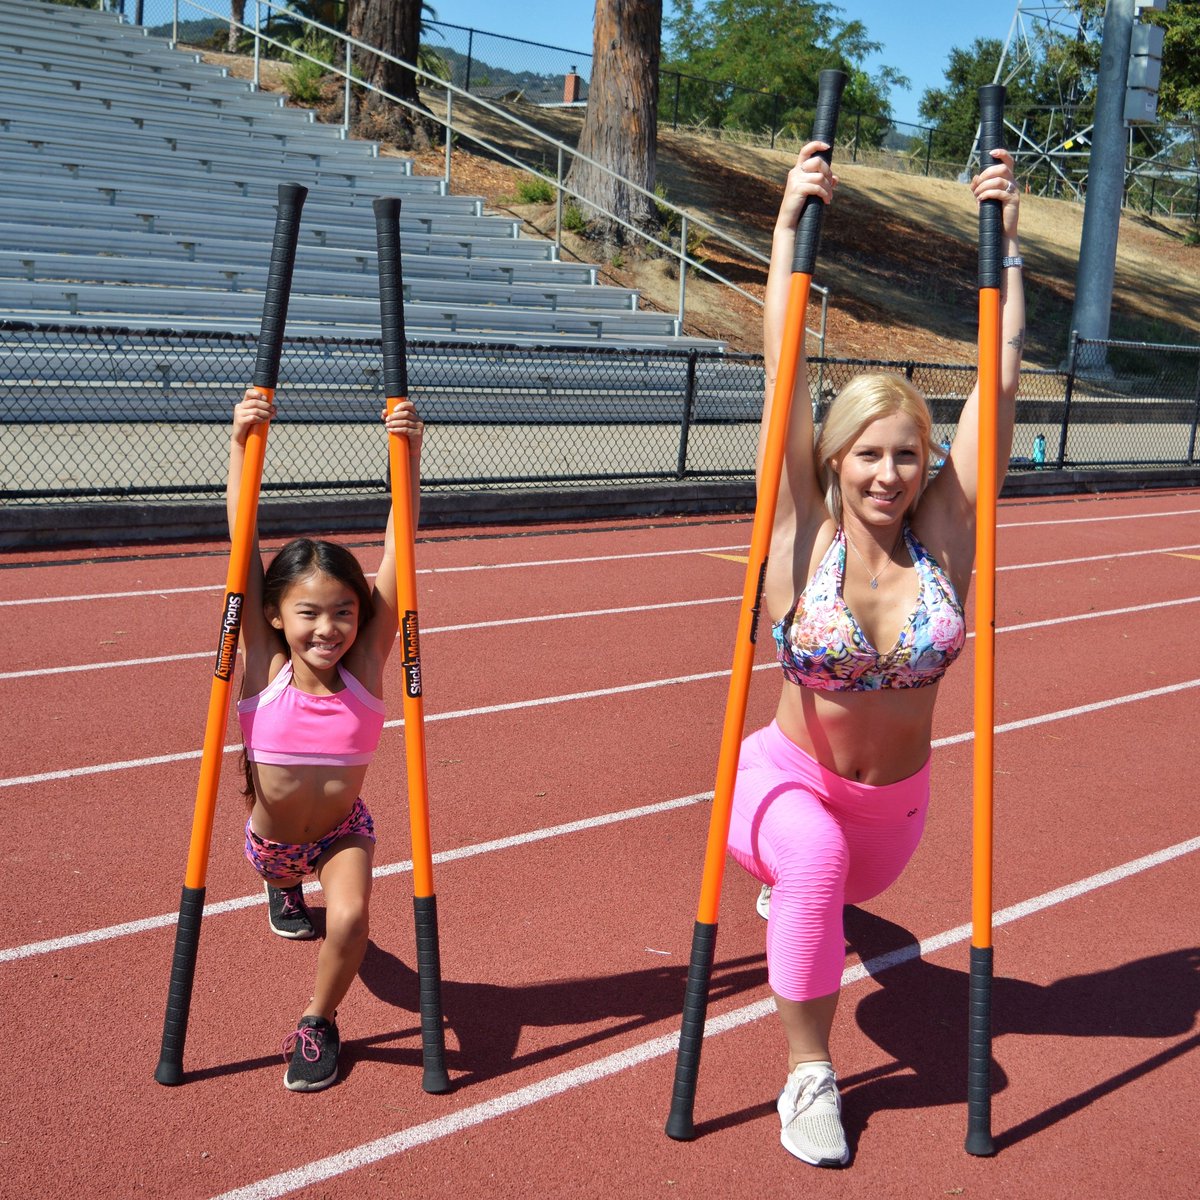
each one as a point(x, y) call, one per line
point(303, 803)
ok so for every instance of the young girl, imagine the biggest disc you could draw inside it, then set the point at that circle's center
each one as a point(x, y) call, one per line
point(315, 638)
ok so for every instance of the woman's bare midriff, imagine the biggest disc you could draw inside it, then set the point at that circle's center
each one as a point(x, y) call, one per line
point(303, 803)
point(871, 737)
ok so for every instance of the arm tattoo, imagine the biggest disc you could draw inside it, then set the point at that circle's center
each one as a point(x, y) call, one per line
point(1018, 342)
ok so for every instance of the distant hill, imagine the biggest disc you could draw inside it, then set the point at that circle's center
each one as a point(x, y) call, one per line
point(196, 33)
point(486, 78)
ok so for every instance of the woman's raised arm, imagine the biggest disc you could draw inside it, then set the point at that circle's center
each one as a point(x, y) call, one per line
point(799, 490)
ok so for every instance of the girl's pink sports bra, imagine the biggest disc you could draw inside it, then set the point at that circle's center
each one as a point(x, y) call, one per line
point(820, 645)
point(284, 726)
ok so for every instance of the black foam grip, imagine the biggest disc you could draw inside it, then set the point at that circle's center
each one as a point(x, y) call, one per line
point(691, 1033)
point(391, 295)
point(808, 232)
point(279, 284)
point(991, 227)
point(179, 995)
point(429, 984)
point(979, 1053)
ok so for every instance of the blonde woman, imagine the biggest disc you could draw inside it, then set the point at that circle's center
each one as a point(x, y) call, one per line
point(869, 567)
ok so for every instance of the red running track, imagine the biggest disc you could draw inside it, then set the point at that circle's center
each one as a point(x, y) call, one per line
point(575, 688)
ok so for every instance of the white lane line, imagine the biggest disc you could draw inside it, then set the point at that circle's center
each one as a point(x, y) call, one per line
point(600, 558)
point(1080, 710)
point(396, 723)
point(175, 591)
point(163, 920)
point(1066, 562)
point(469, 626)
point(491, 709)
point(505, 566)
point(536, 835)
point(612, 1064)
point(568, 562)
point(465, 626)
point(1177, 512)
point(1092, 616)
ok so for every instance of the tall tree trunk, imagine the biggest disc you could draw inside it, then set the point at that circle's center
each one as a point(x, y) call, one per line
point(393, 26)
point(619, 130)
point(237, 12)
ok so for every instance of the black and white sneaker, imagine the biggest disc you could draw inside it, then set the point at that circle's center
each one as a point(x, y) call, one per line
point(312, 1052)
point(287, 913)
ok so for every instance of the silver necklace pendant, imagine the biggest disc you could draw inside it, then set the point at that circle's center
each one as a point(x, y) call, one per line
point(874, 584)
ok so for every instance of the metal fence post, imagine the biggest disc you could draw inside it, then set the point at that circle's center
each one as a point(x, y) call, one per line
point(1195, 418)
point(1072, 355)
point(774, 116)
point(257, 44)
point(682, 269)
point(675, 117)
point(449, 126)
point(685, 420)
point(857, 134)
point(928, 149)
point(558, 207)
point(346, 97)
point(470, 51)
point(174, 22)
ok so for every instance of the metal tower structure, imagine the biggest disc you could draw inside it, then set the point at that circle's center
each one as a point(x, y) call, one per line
point(1053, 157)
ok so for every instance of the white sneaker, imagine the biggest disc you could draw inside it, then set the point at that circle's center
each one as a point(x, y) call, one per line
point(763, 903)
point(810, 1109)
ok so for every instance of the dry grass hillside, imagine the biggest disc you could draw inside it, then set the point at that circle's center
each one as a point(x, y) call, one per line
point(897, 252)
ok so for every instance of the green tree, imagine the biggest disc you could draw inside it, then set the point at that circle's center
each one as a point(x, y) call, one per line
point(1050, 96)
point(953, 110)
point(1179, 93)
point(1058, 83)
point(753, 64)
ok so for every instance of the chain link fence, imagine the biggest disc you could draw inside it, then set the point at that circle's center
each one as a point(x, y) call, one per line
point(103, 413)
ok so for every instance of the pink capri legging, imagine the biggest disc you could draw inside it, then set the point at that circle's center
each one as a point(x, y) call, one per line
point(820, 841)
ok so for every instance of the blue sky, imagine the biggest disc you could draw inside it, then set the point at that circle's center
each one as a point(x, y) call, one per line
point(916, 37)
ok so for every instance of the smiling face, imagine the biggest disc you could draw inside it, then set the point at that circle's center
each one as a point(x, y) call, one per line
point(882, 470)
point(318, 616)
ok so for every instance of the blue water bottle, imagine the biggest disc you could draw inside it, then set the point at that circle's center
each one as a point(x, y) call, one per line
point(1039, 450)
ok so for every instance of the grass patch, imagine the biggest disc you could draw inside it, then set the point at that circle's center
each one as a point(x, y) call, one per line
point(572, 218)
point(535, 190)
point(305, 79)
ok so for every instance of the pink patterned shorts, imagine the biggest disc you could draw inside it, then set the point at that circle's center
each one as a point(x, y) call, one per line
point(283, 860)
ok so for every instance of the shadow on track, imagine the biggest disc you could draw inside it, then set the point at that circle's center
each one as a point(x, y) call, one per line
point(488, 1019)
point(917, 1016)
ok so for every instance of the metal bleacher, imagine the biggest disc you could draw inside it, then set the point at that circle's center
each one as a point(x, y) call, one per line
point(138, 189)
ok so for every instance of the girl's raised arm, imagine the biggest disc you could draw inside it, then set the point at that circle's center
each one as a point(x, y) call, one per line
point(254, 408)
point(381, 633)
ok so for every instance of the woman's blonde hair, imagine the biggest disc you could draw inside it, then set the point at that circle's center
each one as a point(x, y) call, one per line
point(867, 398)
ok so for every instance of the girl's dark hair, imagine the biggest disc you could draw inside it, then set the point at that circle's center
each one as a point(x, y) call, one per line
point(296, 560)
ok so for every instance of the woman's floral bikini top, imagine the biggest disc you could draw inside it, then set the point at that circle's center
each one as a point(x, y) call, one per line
point(820, 644)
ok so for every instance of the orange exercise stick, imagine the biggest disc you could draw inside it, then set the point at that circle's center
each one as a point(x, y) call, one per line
point(979, 1033)
point(266, 376)
point(395, 377)
point(704, 936)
